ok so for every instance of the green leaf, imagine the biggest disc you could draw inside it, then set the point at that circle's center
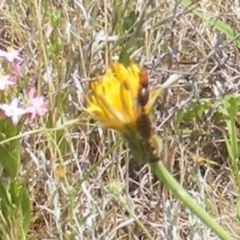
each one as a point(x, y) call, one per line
point(129, 20)
point(196, 110)
point(26, 208)
point(56, 18)
point(231, 103)
point(124, 56)
point(10, 152)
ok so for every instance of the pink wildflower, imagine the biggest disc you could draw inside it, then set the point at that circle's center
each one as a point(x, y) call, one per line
point(38, 105)
point(16, 71)
point(12, 110)
point(5, 82)
point(10, 55)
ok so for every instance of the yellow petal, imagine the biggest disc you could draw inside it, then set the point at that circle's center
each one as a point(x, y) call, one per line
point(114, 97)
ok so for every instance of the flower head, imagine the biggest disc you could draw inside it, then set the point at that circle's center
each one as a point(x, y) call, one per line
point(12, 110)
point(5, 82)
point(114, 98)
point(10, 55)
point(38, 105)
point(120, 100)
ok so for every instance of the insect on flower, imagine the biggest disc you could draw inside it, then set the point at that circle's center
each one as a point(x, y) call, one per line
point(143, 122)
point(143, 93)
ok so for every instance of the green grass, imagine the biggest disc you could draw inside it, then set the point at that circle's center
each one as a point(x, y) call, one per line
point(104, 194)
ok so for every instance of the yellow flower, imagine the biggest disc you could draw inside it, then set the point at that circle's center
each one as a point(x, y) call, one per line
point(114, 98)
point(120, 100)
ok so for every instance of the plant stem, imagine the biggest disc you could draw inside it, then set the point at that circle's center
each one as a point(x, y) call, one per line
point(163, 174)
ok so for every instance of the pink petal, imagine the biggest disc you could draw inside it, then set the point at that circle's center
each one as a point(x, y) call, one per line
point(10, 55)
point(12, 110)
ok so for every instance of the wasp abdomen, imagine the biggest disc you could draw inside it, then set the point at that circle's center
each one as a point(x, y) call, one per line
point(144, 126)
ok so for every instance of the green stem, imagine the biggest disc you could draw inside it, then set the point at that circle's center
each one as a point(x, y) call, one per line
point(163, 174)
